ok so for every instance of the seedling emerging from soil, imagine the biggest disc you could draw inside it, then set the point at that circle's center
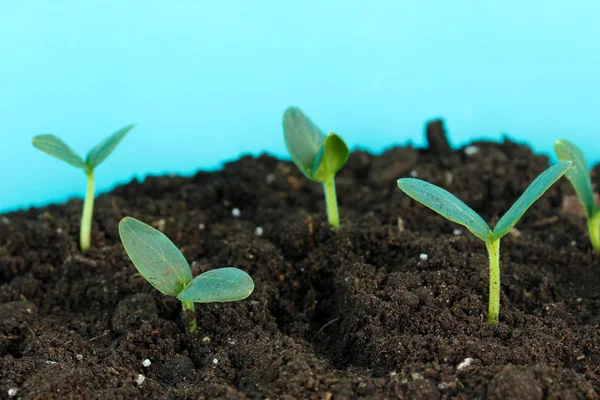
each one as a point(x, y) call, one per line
point(159, 261)
point(449, 206)
point(319, 157)
point(56, 147)
point(580, 179)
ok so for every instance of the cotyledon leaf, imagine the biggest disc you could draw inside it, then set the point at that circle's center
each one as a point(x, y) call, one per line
point(303, 139)
point(578, 175)
point(331, 158)
point(446, 204)
point(56, 147)
point(102, 150)
point(218, 285)
point(155, 256)
point(531, 194)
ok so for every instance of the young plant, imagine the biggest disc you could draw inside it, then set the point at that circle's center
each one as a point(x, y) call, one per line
point(55, 147)
point(580, 179)
point(319, 157)
point(159, 261)
point(446, 204)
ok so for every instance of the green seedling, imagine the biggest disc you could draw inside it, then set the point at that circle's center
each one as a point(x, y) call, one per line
point(56, 147)
point(319, 157)
point(449, 206)
point(161, 263)
point(580, 179)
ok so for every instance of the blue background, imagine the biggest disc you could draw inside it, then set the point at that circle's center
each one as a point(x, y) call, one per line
point(206, 81)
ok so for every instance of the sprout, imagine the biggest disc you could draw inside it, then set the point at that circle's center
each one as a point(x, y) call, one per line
point(55, 147)
point(159, 261)
point(580, 179)
point(446, 204)
point(319, 157)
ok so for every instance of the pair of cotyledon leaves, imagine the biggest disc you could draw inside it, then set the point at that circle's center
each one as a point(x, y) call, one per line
point(318, 156)
point(56, 147)
point(165, 268)
point(579, 175)
point(446, 204)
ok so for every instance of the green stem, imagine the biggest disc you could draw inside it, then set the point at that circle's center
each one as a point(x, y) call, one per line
point(493, 248)
point(594, 230)
point(86, 218)
point(189, 315)
point(331, 202)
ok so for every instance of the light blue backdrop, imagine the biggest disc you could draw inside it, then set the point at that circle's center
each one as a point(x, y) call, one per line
point(206, 81)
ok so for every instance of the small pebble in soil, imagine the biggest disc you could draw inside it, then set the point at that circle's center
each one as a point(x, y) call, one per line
point(206, 339)
point(50, 362)
point(140, 379)
point(258, 231)
point(400, 225)
point(457, 232)
point(236, 212)
point(12, 392)
point(146, 363)
point(423, 257)
point(471, 150)
point(201, 227)
point(416, 376)
point(414, 173)
point(573, 243)
point(79, 357)
point(59, 230)
point(5, 221)
point(231, 342)
point(466, 363)
point(270, 178)
point(161, 225)
point(215, 361)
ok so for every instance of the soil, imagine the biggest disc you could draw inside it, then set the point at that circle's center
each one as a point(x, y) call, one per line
point(358, 312)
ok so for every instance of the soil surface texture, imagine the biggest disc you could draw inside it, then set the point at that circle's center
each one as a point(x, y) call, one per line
point(391, 305)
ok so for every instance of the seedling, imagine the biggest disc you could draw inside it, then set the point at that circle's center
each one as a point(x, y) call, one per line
point(56, 147)
point(446, 204)
point(580, 179)
point(159, 261)
point(319, 157)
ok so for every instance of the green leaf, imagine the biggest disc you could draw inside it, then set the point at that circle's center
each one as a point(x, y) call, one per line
point(102, 150)
point(578, 175)
point(218, 285)
point(331, 158)
point(155, 256)
point(55, 147)
point(531, 194)
point(303, 139)
point(446, 204)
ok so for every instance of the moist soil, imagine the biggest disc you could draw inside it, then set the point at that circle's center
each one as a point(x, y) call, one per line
point(391, 305)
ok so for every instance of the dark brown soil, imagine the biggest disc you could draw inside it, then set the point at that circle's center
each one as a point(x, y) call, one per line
point(346, 314)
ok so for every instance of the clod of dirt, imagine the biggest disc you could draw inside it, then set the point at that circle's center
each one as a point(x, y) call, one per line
point(437, 140)
point(132, 312)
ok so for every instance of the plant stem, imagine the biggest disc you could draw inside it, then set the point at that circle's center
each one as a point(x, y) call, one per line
point(86, 217)
point(493, 248)
point(189, 315)
point(594, 230)
point(331, 202)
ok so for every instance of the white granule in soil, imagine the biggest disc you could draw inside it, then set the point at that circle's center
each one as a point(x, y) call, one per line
point(146, 363)
point(215, 361)
point(236, 212)
point(140, 379)
point(471, 150)
point(258, 231)
point(466, 363)
point(12, 392)
point(423, 256)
